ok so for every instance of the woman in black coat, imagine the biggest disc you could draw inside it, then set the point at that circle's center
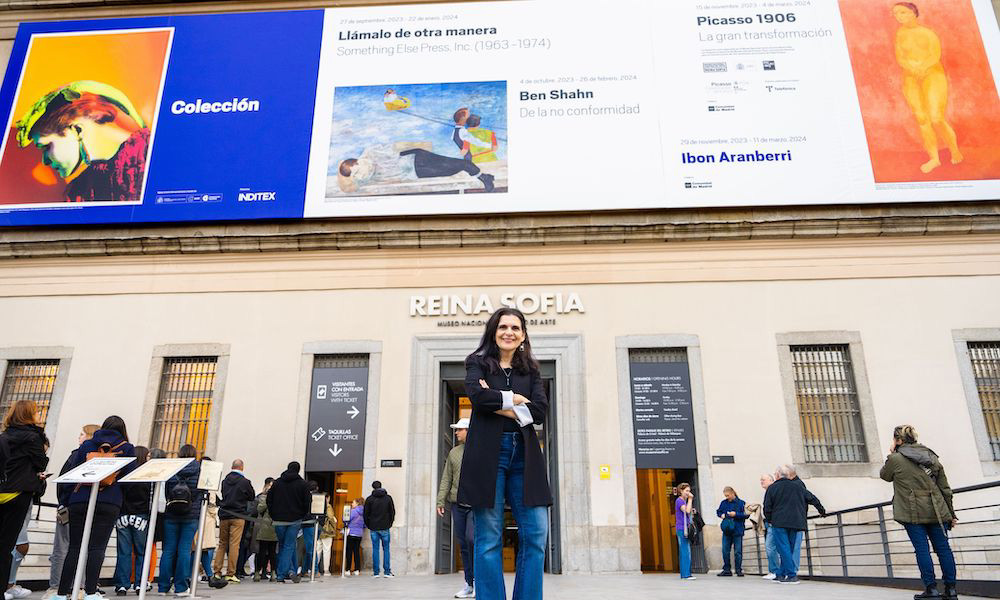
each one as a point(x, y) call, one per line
point(25, 445)
point(503, 460)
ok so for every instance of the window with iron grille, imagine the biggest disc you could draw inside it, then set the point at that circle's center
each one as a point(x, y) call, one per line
point(332, 361)
point(829, 410)
point(29, 380)
point(184, 403)
point(985, 357)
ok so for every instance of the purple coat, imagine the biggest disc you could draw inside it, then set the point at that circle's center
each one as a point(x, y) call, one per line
point(356, 526)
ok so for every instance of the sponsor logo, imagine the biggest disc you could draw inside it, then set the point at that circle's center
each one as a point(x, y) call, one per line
point(715, 67)
point(721, 108)
point(248, 196)
point(769, 65)
point(697, 185)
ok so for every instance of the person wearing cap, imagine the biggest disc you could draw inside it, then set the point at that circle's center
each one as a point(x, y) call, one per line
point(461, 514)
point(92, 136)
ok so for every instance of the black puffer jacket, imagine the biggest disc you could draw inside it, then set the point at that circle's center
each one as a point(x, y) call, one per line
point(380, 511)
point(26, 444)
point(289, 499)
point(237, 492)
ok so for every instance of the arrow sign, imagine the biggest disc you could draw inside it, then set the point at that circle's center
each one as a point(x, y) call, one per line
point(354, 412)
point(336, 450)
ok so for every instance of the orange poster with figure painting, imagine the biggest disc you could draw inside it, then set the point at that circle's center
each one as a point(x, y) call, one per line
point(928, 97)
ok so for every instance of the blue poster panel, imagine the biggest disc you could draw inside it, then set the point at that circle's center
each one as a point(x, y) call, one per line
point(187, 118)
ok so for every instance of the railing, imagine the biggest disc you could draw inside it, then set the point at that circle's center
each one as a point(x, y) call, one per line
point(864, 545)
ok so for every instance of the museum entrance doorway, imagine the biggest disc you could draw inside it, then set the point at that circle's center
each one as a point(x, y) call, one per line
point(454, 405)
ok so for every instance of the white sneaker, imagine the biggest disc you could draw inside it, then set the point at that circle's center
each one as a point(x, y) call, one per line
point(769, 576)
point(376, 575)
point(19, 592)
point(356, 573)
point(8, 596)
point(466, 592)
point(347, 573)
point(691, 578)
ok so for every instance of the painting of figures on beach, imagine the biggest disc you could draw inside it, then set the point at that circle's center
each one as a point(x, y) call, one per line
point(429, 138)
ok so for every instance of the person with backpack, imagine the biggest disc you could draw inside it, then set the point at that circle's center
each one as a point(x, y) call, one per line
point(132, 529)
point(180, 524)
point(922, 504)
point(111, 440)
point(733, 513)
point(289, 502)
point(23, 446)
point(60, 540)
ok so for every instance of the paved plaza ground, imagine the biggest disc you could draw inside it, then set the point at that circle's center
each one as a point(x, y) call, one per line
point(563, 587)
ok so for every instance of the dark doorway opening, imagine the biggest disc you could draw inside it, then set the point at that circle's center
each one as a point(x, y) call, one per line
point(657, 493)
point(342, 487)
point(455, 405)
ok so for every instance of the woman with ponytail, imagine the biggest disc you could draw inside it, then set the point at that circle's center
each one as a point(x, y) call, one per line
point(921, 503)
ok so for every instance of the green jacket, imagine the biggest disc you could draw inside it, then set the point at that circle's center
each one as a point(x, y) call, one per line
point(448, 489)
point(265, 526)
point(917, 499)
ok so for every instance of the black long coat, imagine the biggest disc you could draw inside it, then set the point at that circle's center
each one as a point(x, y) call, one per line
point(477, 482)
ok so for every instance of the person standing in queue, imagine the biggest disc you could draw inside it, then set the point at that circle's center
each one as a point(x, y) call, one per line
point(25, 445)
point(110, 440)
point(503, 460)
point(180, 524)
point(288, 502)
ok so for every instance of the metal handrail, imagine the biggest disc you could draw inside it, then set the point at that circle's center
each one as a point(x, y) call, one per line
point(834, 548)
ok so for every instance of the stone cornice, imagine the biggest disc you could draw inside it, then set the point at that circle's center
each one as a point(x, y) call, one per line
point(515, 230)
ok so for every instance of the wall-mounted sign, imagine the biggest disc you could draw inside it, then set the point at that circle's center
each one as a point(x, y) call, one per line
point(392, 463)
point(662, 415)
point(723, 460)
point(337, 414)
point(529, 302)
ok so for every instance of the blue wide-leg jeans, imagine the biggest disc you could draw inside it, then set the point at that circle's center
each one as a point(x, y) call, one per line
point(532, 531)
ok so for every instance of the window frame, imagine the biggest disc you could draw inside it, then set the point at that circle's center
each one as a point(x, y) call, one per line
point(160, 354)
point(851, 339)
point(962, 338)
point(64, 355)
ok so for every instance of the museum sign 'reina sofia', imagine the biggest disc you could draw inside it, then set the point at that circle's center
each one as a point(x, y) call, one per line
point(472, 305)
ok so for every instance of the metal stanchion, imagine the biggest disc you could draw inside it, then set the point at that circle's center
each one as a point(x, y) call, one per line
point(150, 541)
point(88, 525)
point(343, 562)
point(312, 565)
point(197, 553)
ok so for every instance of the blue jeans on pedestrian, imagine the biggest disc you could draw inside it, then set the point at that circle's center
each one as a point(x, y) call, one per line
point(784, 542)
point(307, 538)
point(287, 534)
point(380, 536)
point(683, 555)
point(532, 531)
point(734, 544)
point(797, 550)
point(175, 564)
point(463, 524)
point(131, 534)
point(207, 554)
point(772, 553)
point(939, 540)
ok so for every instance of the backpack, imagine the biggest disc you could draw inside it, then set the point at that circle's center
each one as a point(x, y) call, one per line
point(179, 499)
point(104, 451)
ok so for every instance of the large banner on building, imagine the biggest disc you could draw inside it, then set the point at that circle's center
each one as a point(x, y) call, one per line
point(500, 107)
